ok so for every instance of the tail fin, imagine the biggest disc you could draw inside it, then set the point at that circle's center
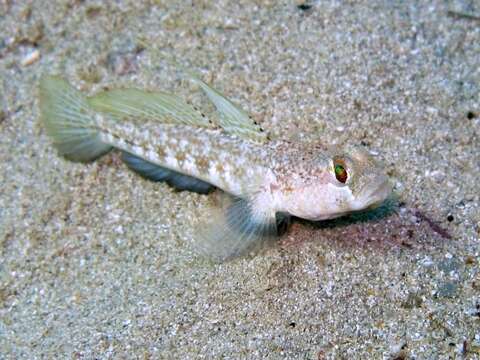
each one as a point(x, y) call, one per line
point(69, 121)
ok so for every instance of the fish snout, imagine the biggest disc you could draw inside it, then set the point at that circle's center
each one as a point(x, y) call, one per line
point(375, 193)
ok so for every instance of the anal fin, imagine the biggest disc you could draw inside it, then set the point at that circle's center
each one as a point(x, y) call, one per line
point(175, 179)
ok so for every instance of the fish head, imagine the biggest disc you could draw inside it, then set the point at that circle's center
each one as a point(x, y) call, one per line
point(337, 184)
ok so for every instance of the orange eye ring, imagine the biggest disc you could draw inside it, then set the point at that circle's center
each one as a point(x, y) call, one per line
point(340, 172)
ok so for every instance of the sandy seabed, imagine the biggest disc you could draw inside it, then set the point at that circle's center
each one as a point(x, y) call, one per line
point(96, 262)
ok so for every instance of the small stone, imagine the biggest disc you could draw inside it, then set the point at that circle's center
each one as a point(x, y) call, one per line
point(31, 58)
point(476, 283)
point(304, 5)
point(122, 63)
point(398, 351)
point(450, 264)
point(470, 197)
point(447, 290)
point(436, 175)
point(469, 260)
point(90, 74)
point(413, 301)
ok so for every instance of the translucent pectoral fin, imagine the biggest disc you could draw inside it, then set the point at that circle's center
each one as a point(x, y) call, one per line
point(155, 172)
point(236, 228)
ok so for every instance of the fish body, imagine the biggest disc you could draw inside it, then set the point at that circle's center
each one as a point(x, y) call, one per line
point(165, 139)
point(224, 161)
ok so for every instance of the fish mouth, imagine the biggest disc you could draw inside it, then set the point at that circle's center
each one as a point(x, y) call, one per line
point(375, 194)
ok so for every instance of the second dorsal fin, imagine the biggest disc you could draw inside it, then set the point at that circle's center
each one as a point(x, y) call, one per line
point(137, 104)
point(233, 119)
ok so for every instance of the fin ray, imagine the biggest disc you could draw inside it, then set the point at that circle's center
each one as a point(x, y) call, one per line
point(235, 229)
point(233, 119)
point(138, 104)
point(69, 120)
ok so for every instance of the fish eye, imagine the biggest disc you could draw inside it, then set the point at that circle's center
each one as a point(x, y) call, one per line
point(340, 171)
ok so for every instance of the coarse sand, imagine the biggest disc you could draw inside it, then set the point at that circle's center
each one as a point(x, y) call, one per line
point(97, 263)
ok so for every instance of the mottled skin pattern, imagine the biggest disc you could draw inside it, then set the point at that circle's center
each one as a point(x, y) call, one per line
point(223, 160)
point(279, 176)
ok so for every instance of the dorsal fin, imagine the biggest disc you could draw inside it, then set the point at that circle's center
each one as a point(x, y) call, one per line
point(137, 104)
point(233, 119)
point(169, 108)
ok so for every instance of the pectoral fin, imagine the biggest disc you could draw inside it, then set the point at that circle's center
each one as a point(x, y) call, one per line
point(236, 228)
